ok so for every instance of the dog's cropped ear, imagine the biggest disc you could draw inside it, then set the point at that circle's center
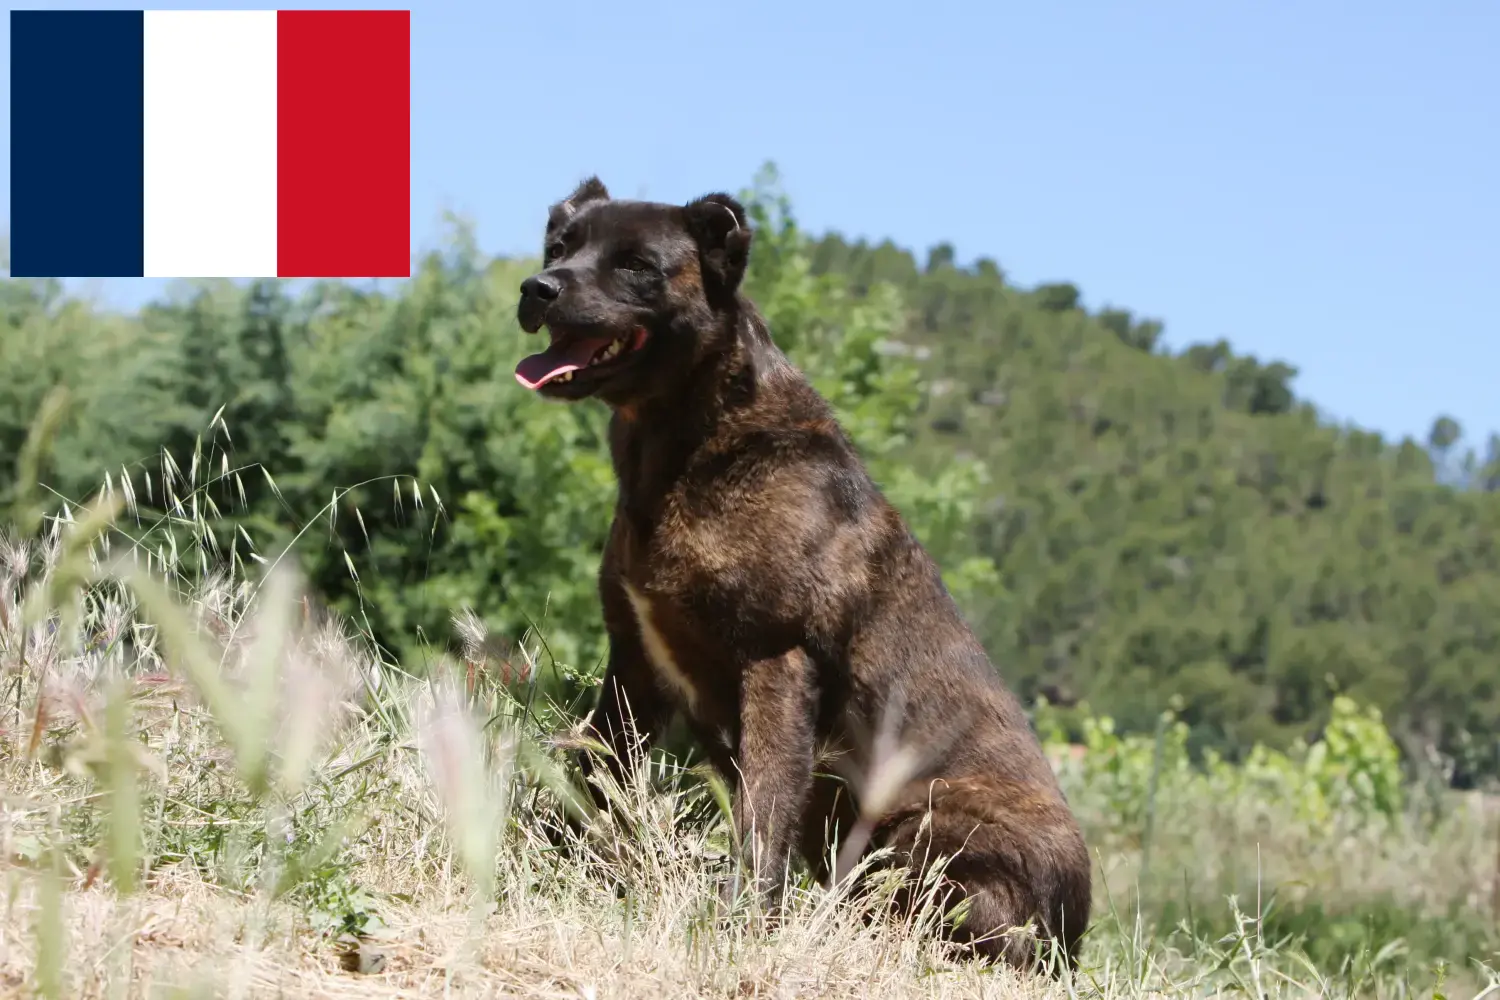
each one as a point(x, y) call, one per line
point(590, 190)
point(722, 229)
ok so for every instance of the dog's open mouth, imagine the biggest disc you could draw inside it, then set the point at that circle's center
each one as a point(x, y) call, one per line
point(570, 353)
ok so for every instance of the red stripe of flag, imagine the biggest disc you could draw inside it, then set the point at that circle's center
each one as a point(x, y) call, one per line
point(343, 143)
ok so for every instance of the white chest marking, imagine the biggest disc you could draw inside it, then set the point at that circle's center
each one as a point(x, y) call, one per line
point(657, 650)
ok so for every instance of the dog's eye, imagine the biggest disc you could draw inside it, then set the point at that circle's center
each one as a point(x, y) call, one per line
point(554, 250)
point(633, 262)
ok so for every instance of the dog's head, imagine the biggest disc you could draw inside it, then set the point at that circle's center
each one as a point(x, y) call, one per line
point(633, 294)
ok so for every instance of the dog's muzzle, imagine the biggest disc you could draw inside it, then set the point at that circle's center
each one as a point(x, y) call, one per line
point(538, 292)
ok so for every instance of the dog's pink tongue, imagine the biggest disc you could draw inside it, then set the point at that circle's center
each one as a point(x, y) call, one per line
point(539, 369)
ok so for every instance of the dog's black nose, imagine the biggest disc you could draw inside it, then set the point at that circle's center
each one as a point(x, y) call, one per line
point(541, 286)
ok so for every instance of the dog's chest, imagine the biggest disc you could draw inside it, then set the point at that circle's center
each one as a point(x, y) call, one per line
point(680, 611)
point(664, 659)
point(675, 557)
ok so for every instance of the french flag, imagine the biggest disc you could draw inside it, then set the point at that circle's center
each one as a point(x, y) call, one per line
point(236, 144)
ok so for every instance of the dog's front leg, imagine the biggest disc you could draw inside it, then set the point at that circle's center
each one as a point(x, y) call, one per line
point(778, 714)
point(631, 709)
point(629, 714)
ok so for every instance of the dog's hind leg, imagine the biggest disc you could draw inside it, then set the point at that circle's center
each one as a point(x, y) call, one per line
point(1011, 852)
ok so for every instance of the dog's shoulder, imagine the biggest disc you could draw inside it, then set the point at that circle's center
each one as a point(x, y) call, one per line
point(784, 453)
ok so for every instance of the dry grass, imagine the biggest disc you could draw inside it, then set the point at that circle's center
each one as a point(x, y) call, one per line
point(211, 790)
point(304, 821)
point(428, 813)
point(181, 933)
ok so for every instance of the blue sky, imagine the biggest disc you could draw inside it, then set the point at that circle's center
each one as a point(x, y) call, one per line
point(1316, 182)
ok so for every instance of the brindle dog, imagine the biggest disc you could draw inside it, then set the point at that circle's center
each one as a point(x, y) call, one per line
point(756, 580)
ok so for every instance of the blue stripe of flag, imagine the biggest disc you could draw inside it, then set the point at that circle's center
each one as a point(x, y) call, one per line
point(77, 156)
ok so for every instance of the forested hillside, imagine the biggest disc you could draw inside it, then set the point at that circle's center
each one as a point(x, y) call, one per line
point(1183, 527)
point(1128, 528)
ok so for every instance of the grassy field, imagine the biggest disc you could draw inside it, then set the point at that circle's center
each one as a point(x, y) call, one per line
point(211, 788)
